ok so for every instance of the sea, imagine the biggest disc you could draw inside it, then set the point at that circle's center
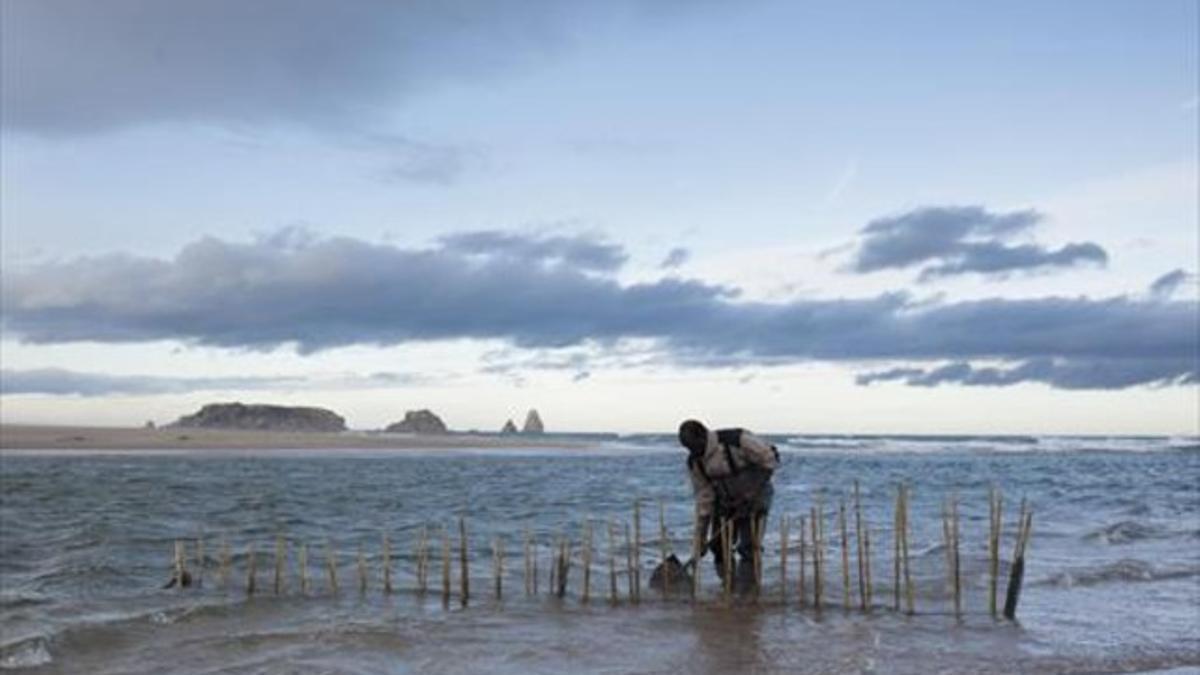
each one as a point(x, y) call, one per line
point(1111, 577)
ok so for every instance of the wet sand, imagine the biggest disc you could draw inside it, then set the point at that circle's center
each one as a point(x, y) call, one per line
point(30, 437)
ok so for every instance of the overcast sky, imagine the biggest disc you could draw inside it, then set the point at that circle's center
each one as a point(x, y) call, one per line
point(924, 217)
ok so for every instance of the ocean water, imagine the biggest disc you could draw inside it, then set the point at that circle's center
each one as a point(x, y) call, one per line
point(1112, 579)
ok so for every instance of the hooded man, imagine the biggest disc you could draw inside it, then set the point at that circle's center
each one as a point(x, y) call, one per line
point(731, 473)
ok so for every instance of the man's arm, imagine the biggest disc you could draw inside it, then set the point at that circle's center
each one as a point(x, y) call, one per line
point(706, 498)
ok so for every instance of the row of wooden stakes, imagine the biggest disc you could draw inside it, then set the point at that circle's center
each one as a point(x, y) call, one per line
point(812, 545)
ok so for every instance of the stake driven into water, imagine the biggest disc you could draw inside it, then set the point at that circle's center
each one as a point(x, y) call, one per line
point(586, 545)
point(858, 537)
point(303, 564)
point(225, 564)
point(251, 570)
point(910, 603)
point(387, 565)
point(662, 546)
point(783, 557)
point(280, 562)
point(612, 562)
point(995, 521)
point(445, 567)
point(845, 555)
point(464, 561)
point(637, 550)
point(331, 566)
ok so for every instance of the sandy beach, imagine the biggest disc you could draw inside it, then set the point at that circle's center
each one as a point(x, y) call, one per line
point(31, 437)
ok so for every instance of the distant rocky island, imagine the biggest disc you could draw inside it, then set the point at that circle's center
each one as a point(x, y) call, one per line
point(262, 417)
point(533, 425)
point(418, 422)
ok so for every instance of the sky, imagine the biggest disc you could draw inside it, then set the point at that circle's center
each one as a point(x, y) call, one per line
point(869, 217)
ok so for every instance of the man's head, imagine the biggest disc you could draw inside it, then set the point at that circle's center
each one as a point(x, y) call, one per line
point(694, 436)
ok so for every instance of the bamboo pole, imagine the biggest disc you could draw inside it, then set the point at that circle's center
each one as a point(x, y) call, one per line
point(698, 536)
point(303, 563)
point(555, 546)
point(1017, 574)
point(949, 547)
point(387, 565)
point(586, 545)
point(896, 534)
point(803, 555)
point(995, 510)
point(845, 555)
point(818, 582)
point(423, 561)
point(612, 563)
point(331, 566)
point(755, 558)
point(199, 561)
point(533, 563)
point(498, 566)
point(783, 557)
point(362, 571)
point(445, 567)
point(225, 564)
point(909, 599)
point(727, 555)
point(180, 564)
point(662, 546)
point(564, 565)
point(867, 552)
point(633, 596)
point(464, 562)
point(251, 569)
point(637, 549)
point(280, 562)
point(957, 565)
point(858, 536)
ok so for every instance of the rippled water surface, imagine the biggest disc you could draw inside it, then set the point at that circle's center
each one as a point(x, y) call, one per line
point(1112, 581)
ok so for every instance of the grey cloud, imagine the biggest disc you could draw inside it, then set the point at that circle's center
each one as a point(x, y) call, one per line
point(953, 240)
point(1165, 286)
point(78, 66)
point(581, 251)
point(334, 292)
point(1074, 373)
point(675, 257)
point(67, 382)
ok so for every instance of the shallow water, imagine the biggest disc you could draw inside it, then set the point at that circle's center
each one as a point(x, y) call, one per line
point(1112, 578)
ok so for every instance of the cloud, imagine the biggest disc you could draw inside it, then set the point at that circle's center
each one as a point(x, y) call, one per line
point(955, 240)
point(675, 257)
point(1165, 286)
point(78, 66)
point(584, 252)
point(58, 381)
point(1076, 373)
point(549, 293)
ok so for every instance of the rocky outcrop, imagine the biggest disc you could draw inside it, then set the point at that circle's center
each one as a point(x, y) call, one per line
point(533, 423)
point(509, 428)
point(418, 422)
point(263, 418)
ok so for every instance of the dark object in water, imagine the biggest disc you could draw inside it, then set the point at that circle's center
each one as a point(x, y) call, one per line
point(186, 582)
point(1014, 589)
point(671, 575)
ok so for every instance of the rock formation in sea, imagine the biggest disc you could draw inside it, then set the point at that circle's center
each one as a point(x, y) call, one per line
point(418, 422)
point(533, 423)
point(509, 427)
point(263, 417)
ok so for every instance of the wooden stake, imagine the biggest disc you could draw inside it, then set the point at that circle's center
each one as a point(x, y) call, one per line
point(995, 510)
point(698, 537)
point(637, 549)
point(662, 546)
point(727, 553)
point(957, 566)
point(783, 557)
point(463, 561)
point(845, 555)
point(362, 571)
point(633, 596)
point(226, 563)
point(803, 555)
point(251, 570)
point(867, 552)
point(1017, 574)
point(858, 536)
point(949, 545)
point(280, 562)
point(445, 567)
point(199, 580)
point(498, 566)
point(564, 565)
point(910, 604)
point(896, 534)
point(529, 582)
point(533, 562)
point(423, 561)
point(612, 563)
point(331, 566)
point(586, 545)
point(180, 564)
point(387, 565)
point(303, 563)
point(818, 582)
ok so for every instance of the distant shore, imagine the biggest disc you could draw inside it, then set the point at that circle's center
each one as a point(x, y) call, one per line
point(32, 437)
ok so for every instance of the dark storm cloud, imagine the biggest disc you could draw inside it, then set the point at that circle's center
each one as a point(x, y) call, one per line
point(317, 294)
point(675, 257)
point(80, 66)
point(953, 240)
point(1072, 373)
point(581, 251)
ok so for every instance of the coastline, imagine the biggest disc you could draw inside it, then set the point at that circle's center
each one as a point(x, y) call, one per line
point(17, 437)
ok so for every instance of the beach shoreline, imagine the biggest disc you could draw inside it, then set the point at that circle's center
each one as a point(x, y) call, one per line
point(17, 437)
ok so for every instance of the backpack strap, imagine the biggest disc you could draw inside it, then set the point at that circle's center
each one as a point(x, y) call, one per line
point(729, 438)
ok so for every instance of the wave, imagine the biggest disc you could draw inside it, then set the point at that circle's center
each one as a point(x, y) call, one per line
point(29, 652)
point(1131, 531)
point(1121, 571)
